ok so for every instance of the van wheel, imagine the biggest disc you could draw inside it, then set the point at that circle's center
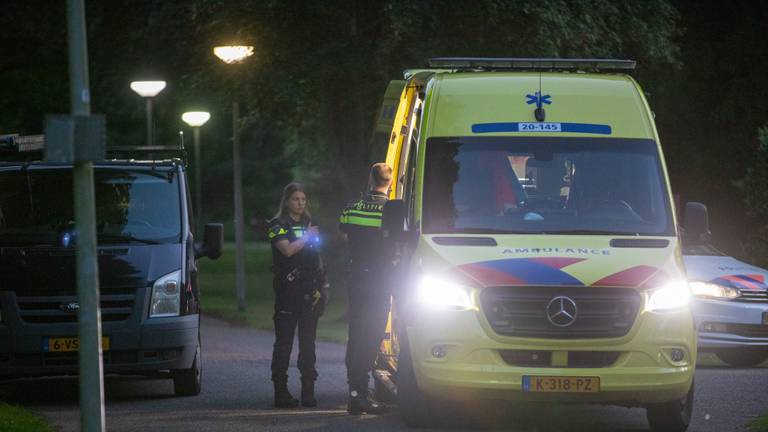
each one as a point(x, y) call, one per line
point(416, 408)
point(673, 416)
point(188, 382)
point(742, 357)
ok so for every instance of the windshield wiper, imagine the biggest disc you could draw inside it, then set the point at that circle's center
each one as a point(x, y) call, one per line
point(126, 238)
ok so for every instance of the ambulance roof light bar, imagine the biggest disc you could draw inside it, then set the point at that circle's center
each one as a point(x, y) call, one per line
point(502, 63)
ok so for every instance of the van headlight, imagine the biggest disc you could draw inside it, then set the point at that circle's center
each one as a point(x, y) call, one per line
point(710, 290)
point(442, 294)
point(674, 295)
point(166, 296)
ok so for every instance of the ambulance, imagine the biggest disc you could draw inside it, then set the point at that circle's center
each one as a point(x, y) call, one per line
point(539, 258)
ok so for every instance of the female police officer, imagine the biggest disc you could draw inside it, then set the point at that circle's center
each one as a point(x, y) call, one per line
point(299, 300)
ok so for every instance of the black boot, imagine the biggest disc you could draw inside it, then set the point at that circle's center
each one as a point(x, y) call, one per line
point(283, 398)
point(360, 403)
point(308, 394)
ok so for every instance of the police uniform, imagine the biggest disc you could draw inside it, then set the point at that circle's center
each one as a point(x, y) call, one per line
point(298, 281)
point(369, 266)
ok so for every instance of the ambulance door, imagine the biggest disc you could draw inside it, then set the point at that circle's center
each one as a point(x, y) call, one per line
point(400, 135)
point(401, 157)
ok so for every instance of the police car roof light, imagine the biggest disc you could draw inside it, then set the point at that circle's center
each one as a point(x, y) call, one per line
point(501, 63)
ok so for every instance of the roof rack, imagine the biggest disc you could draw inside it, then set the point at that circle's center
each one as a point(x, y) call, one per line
point(155, 152)
point(17, 143)
point(502, 63)
point(15, 148)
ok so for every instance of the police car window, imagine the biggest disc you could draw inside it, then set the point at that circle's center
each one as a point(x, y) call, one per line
point(545, 185)
point(131, 207)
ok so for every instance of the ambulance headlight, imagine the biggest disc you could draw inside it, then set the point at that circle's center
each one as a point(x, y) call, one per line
point(166, 296)
point(710, 290)
point(438, 293)
point(674, 295)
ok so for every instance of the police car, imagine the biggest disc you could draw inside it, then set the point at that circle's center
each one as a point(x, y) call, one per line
point(730, 305)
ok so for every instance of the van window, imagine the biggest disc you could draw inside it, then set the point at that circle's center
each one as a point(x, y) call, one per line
point(544, 186)
point(132, 206)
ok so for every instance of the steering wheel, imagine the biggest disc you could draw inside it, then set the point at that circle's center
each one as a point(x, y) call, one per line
point(142, 223)
point(619, 207)
point(617, 204)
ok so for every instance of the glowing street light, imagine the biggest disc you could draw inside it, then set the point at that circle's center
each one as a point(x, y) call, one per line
point(195, 119)
point(233, 53)
point(148, 90)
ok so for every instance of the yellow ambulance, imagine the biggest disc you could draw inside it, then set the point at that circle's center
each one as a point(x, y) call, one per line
point(539, 254)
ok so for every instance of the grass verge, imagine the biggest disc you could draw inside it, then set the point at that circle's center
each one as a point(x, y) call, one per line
point(17, 419)
point(759, 425)
point(218, 297)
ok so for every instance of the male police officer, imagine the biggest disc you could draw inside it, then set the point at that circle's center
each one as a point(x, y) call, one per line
point(369, 264)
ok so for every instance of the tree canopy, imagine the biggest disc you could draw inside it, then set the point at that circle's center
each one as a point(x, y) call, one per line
point(311, 92)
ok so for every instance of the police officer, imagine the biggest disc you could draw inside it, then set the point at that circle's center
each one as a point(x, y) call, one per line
point(369, 265)
point(299, 300)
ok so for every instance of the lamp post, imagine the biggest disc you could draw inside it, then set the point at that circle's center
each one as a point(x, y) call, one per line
point(231, 55)
point(195, 119)
point(148, 90)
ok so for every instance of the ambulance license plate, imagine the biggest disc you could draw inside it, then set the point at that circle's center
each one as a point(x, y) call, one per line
point(546, 384)
point(68, 344)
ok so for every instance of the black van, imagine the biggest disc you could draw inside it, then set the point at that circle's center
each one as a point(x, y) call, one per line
point(149, 294)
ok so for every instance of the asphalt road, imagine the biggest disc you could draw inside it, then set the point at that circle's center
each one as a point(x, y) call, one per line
point(237, 396)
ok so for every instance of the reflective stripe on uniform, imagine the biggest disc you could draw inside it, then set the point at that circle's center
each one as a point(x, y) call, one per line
point(362, 213)
point(358, 217)
point(362, 221)
point(273, 234)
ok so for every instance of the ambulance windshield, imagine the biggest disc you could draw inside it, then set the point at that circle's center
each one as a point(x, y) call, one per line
point(545, 186)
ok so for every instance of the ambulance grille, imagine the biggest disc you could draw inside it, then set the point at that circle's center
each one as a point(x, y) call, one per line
point(522, 311)
point(753, 296)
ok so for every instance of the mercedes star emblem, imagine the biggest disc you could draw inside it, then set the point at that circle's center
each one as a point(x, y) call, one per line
point(561, 311)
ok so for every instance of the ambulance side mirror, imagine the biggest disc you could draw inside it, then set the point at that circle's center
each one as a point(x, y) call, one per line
point(393, 220)
point(696, 223)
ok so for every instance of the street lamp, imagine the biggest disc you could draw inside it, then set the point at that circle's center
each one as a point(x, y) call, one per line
point(148, 90)
point(234, 54)
point(195, 119)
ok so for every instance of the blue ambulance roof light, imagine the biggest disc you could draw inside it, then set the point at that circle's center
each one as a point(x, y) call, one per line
point(501, 63)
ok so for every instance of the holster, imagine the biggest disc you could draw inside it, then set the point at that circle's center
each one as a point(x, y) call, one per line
point(302, 288)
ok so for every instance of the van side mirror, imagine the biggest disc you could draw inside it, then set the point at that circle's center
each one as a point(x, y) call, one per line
point(213, 241)
point(393, 220)
point(696, 223)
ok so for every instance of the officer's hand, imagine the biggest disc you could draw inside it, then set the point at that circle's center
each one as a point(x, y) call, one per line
point(313, 232)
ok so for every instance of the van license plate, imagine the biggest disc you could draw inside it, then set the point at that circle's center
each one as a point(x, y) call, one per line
point(545, 384)
point(68, 344)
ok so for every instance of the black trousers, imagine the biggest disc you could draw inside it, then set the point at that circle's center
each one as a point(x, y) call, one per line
point(368, 311)
point(286, 321)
